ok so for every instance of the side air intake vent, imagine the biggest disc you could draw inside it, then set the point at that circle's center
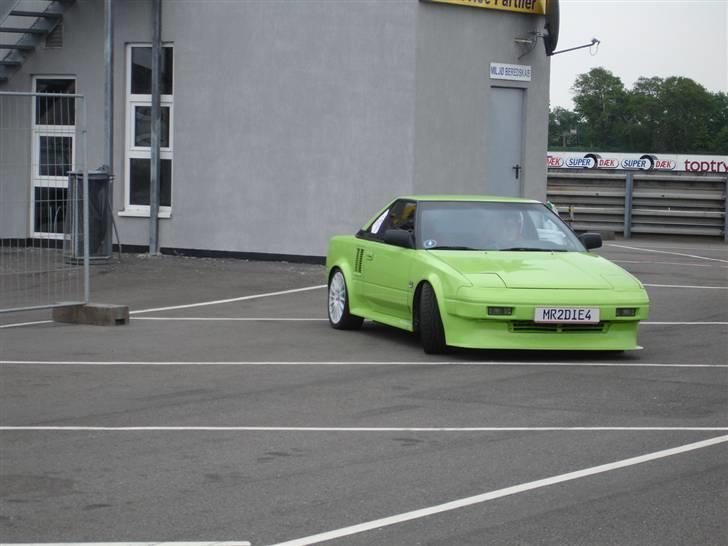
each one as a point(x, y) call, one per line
point(358, 260)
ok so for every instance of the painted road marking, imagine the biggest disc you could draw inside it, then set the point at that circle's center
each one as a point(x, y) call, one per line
point(644, 262)
point(713, 323)
point(685, 286)
point(237, 319)
point(189, 305)
point(308, 319)
point(353, 363)
point(281, 319)
point(230, 300)
point(17, 324)
point(477, 499)
point(237, 543)
point(666, 252)
point(50, 428)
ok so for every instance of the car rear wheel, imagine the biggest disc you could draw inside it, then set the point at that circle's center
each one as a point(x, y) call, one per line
point(432, 333)
point(339, 315)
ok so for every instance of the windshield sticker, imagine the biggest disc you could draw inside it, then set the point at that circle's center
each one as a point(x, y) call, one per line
point(379, 221)
point(430, 243)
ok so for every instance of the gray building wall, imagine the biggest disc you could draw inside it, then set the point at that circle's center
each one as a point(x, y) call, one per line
point(294, 121)
point(455, 46)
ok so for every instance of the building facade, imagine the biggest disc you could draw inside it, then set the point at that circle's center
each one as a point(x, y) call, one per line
point(286, 122)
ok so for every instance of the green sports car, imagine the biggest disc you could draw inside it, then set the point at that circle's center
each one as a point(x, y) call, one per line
point(482, 272)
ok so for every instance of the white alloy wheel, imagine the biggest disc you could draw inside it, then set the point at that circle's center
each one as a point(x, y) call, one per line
point(337, 297)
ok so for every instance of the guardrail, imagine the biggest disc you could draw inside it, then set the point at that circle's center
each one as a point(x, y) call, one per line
point(632, 202)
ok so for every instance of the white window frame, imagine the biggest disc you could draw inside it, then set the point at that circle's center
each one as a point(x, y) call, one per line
point(131, 151)
point(38, 131)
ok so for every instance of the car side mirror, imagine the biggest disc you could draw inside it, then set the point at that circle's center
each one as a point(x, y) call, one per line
point(399, 237)
point(591, 240)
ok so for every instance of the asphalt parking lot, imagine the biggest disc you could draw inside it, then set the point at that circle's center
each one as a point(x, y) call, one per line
point(229, 410)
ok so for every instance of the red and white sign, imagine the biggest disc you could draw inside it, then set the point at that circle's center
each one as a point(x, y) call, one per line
point(641, 162)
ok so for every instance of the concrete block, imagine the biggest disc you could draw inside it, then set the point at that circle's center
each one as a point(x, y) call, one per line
point(97, 314)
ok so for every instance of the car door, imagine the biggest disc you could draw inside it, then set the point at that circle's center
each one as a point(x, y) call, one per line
point(385, 273)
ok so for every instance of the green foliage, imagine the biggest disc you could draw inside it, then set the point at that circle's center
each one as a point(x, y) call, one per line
point(672, 115)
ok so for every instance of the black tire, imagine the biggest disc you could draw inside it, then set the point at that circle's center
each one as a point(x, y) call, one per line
point(346, 321)
point(432, 334)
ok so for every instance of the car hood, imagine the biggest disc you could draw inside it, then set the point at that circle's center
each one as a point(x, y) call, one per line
point(562, 270)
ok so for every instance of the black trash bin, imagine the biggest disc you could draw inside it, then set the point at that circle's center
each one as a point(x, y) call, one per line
point(99, 201)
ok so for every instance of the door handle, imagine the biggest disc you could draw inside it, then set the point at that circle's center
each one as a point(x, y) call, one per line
point(517, 168)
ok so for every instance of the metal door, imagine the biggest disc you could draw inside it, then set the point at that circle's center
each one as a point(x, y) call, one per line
point(504, 142)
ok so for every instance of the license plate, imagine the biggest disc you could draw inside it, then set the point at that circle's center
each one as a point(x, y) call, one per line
point(567, 314)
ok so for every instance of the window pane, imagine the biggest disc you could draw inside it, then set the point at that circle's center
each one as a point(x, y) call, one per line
point(143, 126)
point(139, 177)
point(50, 209)
point(56, 155)
point(55, 110)
point(141, 70)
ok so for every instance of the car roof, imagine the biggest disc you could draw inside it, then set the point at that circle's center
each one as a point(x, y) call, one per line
point(468, 198)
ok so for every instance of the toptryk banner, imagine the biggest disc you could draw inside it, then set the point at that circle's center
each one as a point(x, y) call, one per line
point(638, 162)
point(535, 7)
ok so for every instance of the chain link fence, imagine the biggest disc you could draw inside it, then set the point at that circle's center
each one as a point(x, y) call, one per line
point(42, 141)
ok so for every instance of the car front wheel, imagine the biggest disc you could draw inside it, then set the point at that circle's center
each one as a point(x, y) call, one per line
point(339, 315)
point(432, 333)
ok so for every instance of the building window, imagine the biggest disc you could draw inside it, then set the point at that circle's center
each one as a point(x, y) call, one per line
point(139, 125)
point(53, 148)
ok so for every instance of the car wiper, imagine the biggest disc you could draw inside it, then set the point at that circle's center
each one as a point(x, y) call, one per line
point(446, 247)
point(531, 249)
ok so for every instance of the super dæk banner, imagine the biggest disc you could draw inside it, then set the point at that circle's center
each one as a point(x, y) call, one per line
point(638, 162)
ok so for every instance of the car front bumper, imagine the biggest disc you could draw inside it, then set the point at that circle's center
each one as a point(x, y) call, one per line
point(467, 323)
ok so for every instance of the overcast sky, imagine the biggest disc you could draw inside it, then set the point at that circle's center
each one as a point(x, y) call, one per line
point(642, 38)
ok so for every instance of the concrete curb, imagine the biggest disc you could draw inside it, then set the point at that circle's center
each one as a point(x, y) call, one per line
point(97, 314)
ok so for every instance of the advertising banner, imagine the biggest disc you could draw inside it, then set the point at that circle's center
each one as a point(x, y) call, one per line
point(717, 164)
point(535, 7)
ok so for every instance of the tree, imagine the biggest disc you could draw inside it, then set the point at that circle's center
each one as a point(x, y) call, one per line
point(672, 115)
point(563, 127)
point(600, 99)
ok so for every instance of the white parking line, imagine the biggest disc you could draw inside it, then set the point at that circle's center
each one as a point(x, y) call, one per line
point(50, 428)
point(353, 363)
point(229, 300)
point(18, 324)
point(645, 262)
point(666, 252)
point(187, 306)
point(236, 319)
point(237, 543)
point(477, 499)
point(711, 323)
point(685, 286)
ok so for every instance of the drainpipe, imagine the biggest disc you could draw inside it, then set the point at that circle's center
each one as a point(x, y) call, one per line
point(109, 86)
point(154, 174)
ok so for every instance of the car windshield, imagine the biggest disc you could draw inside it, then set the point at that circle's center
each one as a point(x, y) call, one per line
point(468, 225)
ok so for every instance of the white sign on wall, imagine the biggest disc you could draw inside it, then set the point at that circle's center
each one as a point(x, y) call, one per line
point(512, 72)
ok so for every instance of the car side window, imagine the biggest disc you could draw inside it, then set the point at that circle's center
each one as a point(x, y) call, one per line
point(401, 216)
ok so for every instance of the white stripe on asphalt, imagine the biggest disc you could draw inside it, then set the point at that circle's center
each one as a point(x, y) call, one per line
point(17, 324)
point(230, 300)
point(293, 319)
point(644, 262)
point(50, 428)
point(189, 305)
point(685, 286)
point(353, 363)
point(477, 499)
point(237, 543)
point(236, 319)
point(713, 323)
point(666, 252)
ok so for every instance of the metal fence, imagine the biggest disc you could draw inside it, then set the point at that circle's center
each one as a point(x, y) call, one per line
point(629, 202)
point(42, 140)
